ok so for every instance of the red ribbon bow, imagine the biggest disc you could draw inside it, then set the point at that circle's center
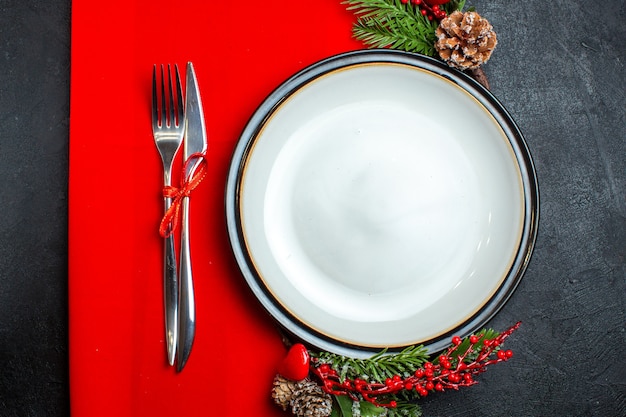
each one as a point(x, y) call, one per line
point(171, 219)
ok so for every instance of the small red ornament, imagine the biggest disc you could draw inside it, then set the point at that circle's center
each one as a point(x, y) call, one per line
point(295, 366)
point(436, 2)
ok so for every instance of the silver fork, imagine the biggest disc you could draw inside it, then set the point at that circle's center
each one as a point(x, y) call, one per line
point(168, 128)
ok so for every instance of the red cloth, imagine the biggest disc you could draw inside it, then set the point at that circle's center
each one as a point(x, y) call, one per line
point(241, 51)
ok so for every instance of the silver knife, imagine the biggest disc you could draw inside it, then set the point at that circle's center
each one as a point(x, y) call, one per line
point(195, 142)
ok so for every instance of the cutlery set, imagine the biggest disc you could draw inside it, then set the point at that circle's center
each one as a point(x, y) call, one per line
point(175, 124)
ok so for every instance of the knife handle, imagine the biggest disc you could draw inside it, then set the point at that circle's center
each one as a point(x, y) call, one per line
point(170, 292)
point(186, 301)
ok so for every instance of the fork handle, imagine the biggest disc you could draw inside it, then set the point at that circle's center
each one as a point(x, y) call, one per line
point(170, 292)
point(186, 301)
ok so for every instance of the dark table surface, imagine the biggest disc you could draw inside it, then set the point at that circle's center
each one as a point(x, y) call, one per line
point(559, 70)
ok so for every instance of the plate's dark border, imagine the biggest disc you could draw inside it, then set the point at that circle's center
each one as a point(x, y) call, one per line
point(292, 324)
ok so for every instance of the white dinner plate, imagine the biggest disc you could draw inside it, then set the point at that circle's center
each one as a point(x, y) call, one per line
point(380, 199)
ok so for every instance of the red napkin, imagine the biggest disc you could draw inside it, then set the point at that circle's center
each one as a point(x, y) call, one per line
point(241, 51)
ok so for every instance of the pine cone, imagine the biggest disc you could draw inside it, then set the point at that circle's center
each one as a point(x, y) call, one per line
point(309, 400)
point(282, 391)
point(465, 40)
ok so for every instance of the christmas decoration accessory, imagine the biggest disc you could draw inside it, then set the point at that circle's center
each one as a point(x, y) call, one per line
point(436, 28)
point(465, 40)
point(282, 391)
point(305, 398)
point(295, 366)
point(388, 384)
point(310, 400)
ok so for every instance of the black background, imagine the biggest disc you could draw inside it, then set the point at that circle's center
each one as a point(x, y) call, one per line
point(558, 69)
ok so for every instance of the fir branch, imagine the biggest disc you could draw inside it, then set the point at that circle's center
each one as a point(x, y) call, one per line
point(378, 367)
point(408, 375)
point(389, 23)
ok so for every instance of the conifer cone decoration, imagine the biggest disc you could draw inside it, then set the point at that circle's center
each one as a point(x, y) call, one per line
point(465, 40)
point(282, 391)
point(309, 400)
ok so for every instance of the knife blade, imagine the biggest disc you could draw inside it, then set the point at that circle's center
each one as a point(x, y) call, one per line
point(195, 142)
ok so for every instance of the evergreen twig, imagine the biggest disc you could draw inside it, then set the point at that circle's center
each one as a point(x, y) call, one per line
point(392, 24)
point(378, 367)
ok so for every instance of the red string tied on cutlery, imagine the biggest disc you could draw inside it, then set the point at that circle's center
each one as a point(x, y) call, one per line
point(171, 218)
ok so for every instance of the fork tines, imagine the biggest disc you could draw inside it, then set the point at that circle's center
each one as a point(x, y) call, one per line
point(171, 111)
